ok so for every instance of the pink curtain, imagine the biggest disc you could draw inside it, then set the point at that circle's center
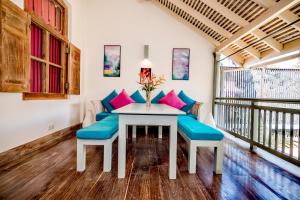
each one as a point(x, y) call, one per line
point(36, 66)
point(55, 72)
point(47, 10)
point(37, 7)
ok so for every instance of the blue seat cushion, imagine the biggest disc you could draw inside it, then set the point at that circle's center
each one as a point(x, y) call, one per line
point(102, 115)
point(156, 99)
point(107, 99)
point(196, 130)
point(137, 97)
point(186, 99)
point(100, 130)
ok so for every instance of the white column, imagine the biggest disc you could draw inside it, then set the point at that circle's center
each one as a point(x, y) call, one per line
point(160, 131)
point(146, 130)
point(122, 147)
point(81, 156)
point(173, 148)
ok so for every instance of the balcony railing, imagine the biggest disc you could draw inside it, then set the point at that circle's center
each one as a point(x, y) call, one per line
point(270, 124)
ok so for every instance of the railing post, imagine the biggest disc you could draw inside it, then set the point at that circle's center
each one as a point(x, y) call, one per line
point(252, 125)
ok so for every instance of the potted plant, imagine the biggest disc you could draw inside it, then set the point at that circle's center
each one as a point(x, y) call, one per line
point(149, 82)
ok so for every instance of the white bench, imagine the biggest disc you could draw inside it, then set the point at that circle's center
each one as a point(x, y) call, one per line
point(197, 134)
point(103, 133)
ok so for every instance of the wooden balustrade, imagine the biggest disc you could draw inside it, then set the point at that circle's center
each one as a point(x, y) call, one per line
point(269, 124)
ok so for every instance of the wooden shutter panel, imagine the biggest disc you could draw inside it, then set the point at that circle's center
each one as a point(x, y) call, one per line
point(14, 47)
point(74, 70)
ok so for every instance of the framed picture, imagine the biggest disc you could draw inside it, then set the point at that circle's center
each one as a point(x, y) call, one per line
point(180, 64)
point(145, 75)
point(112, 60)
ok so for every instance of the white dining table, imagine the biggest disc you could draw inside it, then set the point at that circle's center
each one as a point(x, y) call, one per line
point(156, 115)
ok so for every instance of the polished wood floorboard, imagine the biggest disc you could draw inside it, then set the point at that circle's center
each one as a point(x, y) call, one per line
point(52, 174)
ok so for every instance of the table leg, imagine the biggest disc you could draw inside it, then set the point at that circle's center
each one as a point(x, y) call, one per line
point(160, 132)
point(173, 150)
point(122, 149)
point(133, 131)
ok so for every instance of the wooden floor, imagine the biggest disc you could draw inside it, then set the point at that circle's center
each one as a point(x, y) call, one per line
point(52, 175)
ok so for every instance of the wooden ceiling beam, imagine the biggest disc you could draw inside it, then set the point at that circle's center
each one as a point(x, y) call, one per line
point(262, 19)
point(274, 44)
point(236, 58)
point(203, 19)
point(289, 17)
point(286, 16)
point(252, 51)
point(270, 54)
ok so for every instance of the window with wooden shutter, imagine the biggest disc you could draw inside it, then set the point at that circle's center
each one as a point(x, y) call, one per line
point(14, 46)
point(34, 57)
point(74, 70)
point(49, 41)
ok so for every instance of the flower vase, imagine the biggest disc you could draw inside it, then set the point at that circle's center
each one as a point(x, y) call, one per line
point(148, 99)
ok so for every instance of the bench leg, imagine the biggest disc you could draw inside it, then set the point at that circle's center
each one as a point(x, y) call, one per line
point(160, 132)
point(219, 154)
point(133, 131)
point(107, 157)
point(81, 152)
point(192, 157)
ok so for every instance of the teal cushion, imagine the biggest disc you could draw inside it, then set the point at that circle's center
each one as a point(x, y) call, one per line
point(100, 130)
point(137, 97)
point(158, 97)
point(186, 99)
point(102, 115)
point(196, 130)
point(107, 99)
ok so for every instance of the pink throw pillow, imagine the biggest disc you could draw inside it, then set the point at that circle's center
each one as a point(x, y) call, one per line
point(173, 100)
point(121, 100)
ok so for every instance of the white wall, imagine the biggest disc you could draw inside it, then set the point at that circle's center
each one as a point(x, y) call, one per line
point(132, 24)
point(23, 121)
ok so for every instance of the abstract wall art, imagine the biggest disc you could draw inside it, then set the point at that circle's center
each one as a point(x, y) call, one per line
point(112, 61)
point(180, 64)
point(145, 75)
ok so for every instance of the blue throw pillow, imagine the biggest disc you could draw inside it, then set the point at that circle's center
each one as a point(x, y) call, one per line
point(186, 99)
point(158, 97)
point(137, 97)
point(107, 99)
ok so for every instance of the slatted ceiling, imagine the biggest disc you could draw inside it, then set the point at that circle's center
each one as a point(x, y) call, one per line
point(273, 25)
point(242, 53)
point(284, 36)
point(260, 46)
point(247, 9)
point(288, 37)
point(296, 9)
point(218, 37)
point(213, 15)
point(249, 38)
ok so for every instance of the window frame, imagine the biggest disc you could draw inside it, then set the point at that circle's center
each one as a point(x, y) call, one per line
point(48, 30)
